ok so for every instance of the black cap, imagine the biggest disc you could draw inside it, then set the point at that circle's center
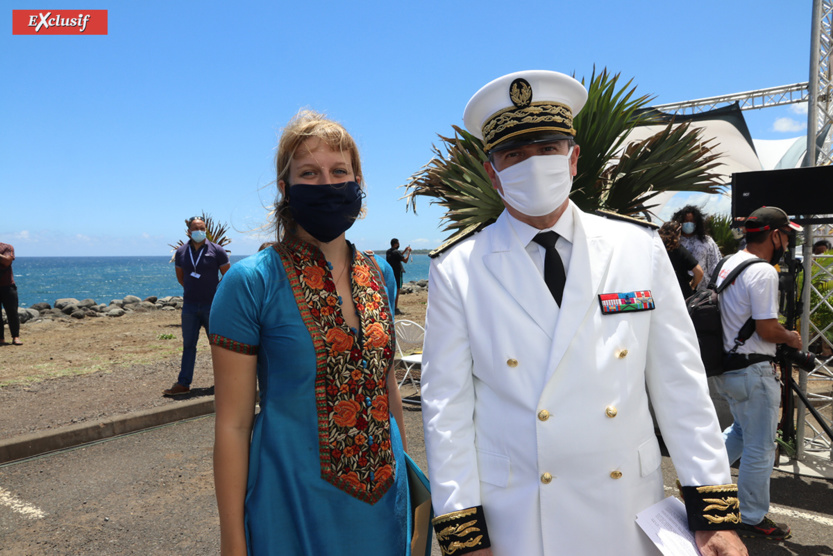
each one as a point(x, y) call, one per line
point(769, 218)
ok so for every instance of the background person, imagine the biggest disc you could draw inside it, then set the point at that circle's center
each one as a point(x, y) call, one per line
point(321, 469)
point(8, 295)
point(539, 359)
point(695, 239)
point(199, 264)
point(750, 385)
point(821, 247)
point(395, 259)
point(682, 261)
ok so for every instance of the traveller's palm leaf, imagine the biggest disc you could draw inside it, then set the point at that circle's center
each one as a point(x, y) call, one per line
point(608, 177)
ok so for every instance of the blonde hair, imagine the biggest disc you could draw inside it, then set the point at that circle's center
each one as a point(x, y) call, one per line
point(307, 124)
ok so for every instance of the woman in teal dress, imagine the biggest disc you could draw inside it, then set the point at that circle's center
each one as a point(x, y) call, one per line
point(321, 469)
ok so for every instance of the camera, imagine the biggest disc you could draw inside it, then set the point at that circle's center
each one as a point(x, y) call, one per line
point(804, 360)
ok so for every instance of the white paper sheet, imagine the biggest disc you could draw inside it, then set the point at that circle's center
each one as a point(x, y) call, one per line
point(666, 525)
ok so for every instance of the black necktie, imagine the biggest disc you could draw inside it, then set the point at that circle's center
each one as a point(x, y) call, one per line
point(554, 274)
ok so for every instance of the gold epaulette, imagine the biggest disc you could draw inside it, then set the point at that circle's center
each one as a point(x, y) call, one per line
point(624, 218)
point(458, 237)
point(711, 508)
point(462, 531)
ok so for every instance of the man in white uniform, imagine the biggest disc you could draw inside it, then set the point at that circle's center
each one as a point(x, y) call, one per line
point(750, 384)
point(545, 334)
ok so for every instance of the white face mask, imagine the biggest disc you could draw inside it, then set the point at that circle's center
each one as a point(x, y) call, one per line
point(538, 185)
point(198, 236)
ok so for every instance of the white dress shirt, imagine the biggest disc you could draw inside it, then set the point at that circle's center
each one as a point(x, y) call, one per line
point(563, 227)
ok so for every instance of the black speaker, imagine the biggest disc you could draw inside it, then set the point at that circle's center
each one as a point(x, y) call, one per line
point(800, 192)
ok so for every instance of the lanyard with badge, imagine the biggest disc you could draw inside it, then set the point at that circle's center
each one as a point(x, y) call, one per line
point(195, 263)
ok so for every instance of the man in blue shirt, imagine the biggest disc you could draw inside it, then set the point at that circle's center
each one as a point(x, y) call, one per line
point(199, 264)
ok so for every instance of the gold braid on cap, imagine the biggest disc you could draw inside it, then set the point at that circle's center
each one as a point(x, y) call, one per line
point(711, 508)
point(462, 531)
point(539, 116)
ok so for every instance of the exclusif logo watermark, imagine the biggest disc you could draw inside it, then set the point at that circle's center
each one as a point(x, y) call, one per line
point(59, 22)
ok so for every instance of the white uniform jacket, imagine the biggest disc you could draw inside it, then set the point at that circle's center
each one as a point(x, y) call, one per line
point(540, 414)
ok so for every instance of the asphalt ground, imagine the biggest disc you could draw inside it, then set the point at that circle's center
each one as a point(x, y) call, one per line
point(147, 488)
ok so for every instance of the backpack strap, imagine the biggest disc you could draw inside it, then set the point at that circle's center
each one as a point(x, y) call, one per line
point(748, 327)
point(732, 276)
point(713, 279)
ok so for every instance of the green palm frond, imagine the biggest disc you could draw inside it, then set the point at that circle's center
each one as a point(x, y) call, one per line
point(602, 127)
point(674, 159)
point(613, 173)
point(719, 227)
point(456, 179)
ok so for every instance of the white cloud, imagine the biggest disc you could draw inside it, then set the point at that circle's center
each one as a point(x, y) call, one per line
point(23, 235)
point(788, 125)
point(800, 108)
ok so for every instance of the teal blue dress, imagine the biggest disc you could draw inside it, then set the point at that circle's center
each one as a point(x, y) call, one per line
point(327, 471)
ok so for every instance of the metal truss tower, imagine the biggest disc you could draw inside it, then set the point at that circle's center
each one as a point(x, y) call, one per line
point(820, 112)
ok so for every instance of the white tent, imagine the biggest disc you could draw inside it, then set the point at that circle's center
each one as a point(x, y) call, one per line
point(727, 130)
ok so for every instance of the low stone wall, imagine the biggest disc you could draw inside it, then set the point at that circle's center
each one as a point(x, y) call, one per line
point(70, 307)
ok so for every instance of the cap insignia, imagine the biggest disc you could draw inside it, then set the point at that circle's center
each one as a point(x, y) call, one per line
point(521, 93)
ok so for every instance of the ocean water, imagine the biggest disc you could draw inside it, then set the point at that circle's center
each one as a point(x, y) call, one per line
point(45, 279)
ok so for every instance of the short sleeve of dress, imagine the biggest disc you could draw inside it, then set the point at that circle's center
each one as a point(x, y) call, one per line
point(235, 313)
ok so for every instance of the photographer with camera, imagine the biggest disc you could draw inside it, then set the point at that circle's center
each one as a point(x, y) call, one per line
point(750, 384)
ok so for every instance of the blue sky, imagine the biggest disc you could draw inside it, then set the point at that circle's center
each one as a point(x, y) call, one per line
point(107, 143)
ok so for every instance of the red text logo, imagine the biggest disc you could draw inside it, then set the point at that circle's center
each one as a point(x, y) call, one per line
point(59, 22)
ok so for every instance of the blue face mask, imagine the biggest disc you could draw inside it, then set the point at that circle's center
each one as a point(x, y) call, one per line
point(198, 236)
point(688, 227)
point(325, 211)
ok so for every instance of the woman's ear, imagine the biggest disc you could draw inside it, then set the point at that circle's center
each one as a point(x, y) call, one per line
point(282, 187)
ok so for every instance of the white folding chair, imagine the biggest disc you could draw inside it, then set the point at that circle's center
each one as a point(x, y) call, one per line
point(409, 338)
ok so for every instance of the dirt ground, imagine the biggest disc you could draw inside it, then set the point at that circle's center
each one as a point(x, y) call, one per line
point(72, 371)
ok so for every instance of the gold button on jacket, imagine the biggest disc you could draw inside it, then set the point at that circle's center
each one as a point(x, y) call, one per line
point(611, 411)
point(616, 474)
point(546, 478)
point(512, 362)
point(622, 353)
point(543, 415)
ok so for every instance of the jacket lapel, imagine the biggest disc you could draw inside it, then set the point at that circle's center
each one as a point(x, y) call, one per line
point(589, 265)
point(509, 263)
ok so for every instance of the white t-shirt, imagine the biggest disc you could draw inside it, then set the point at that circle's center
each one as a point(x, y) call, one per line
point(754, 293)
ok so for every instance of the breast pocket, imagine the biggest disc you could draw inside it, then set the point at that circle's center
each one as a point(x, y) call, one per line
point(494, 468)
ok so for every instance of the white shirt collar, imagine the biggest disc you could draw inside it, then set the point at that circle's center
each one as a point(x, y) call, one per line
point(564, 227)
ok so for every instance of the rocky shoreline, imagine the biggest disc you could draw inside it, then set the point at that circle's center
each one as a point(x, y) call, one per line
point(414, 287)
point(69, 307)
point(72, 308)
